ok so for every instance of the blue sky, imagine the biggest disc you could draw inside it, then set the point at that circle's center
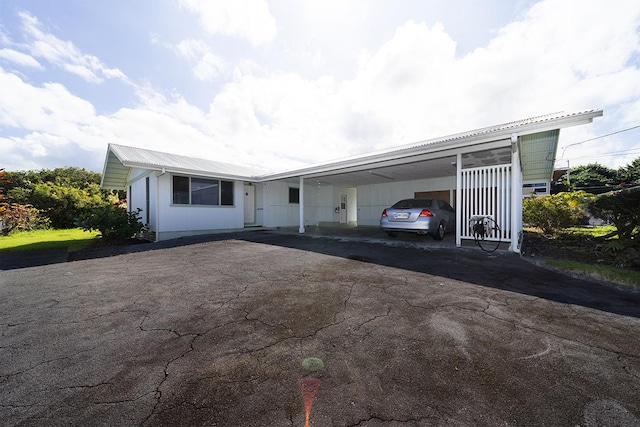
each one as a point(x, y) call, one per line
point(282, 84)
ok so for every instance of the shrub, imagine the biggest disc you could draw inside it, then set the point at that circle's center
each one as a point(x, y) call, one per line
point(622, 208)
point(114, 222)
point(64, 205)
point(16, 217)
point(556, 212)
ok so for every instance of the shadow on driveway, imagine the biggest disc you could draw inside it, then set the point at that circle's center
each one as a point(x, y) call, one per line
point(500, 270)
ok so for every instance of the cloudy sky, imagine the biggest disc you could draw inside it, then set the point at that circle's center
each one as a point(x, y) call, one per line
point(286, 83)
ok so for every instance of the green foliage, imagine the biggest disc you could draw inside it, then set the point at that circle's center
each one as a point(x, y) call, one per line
point(3, 180)
point(630, 175)
point(63, 205)
point(556, 212)
point(622, 208)
point(17, 217)
point(114, 223)
point(593, 178)
point(61, 194)
point(66, 177)
point(597, 179)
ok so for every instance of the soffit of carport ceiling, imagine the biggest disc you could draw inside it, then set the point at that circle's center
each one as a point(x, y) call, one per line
point(410, 171)
point(537, 155)
point(425, 169)
point(498, 156)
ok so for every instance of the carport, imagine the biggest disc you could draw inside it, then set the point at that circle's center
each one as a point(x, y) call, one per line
point(481, 173)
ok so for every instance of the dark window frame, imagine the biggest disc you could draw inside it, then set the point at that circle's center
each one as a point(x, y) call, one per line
point(201, 194)
point(294, 195)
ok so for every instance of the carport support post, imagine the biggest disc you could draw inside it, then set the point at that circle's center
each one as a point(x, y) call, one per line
point(516, 194)
point(301, 205)
point(459, 200)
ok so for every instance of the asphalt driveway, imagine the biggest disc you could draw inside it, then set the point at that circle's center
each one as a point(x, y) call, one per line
point(214, 332)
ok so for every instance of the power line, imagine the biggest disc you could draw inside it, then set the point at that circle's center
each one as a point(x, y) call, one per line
point(598, 137)
point(612, 153)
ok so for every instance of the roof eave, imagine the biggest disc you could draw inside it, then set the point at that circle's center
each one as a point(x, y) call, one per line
point(444, 144)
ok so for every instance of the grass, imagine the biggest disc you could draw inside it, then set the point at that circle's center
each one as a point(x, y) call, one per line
point(72, 239)
point(590, 231)
point(623, 276)
point(600, 272)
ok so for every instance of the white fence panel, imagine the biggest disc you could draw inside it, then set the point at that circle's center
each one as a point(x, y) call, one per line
point(486, 191)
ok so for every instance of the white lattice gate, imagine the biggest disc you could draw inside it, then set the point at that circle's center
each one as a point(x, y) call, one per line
point(486, 191)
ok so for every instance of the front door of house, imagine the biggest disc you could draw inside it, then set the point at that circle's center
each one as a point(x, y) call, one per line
point(343, 208)
point(249, 204)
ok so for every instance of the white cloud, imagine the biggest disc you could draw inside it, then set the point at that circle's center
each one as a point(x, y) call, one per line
point(50, 108)
point(64, 53)
point(207, 65)
point(20, 58)
point(412, 87)
point(248, 19)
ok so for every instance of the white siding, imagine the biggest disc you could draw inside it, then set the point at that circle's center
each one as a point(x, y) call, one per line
point(137, 196)
point(175, 221)
point(372, 199)
point(278, 212)
point(320, 202)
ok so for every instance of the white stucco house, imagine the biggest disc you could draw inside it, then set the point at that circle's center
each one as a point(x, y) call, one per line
point(480, 172)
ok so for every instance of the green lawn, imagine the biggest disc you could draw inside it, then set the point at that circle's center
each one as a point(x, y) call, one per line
point(600, 272)
point(73, 239)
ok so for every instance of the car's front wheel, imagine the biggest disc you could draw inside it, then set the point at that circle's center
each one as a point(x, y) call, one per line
point(440, 233)
point(392, 233)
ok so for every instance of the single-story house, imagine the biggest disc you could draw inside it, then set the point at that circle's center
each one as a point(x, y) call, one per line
point(481, 172)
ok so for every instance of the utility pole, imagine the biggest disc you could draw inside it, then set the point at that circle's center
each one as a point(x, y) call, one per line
point(568, 176)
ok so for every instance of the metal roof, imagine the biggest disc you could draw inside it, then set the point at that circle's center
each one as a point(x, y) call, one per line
point(538, 143)
point(121, 159)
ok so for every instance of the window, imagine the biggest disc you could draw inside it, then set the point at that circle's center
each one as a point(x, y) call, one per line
point(202, 191)
point(180, 190)
point(294, 195)
point(226, 193)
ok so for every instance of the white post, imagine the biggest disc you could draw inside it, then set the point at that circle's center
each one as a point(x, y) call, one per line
point(301, 205)
point(516, 195)
point(157, 227)
point(459, 225)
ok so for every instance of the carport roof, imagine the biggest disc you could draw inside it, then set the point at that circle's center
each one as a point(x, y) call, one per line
point(538, 138)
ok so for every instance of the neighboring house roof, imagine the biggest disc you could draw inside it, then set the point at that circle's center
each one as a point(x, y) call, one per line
point(538, 138)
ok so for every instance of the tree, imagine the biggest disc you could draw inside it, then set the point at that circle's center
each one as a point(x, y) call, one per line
point(3, 180)
point(623, 209)
point(592, 178)
point(62, 194)
point(16, 216)
point(630, 175)
point(63, 205)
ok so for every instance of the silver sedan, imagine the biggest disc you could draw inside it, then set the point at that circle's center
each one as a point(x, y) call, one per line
point(422, 216)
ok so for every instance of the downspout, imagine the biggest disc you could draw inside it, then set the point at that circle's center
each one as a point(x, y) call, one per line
point(301, 205)
point(516, 195)
point(459, 224)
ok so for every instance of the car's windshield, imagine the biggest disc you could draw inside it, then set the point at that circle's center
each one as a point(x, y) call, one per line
point(413, 203)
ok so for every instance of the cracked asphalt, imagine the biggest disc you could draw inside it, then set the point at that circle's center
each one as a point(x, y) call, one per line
point(212, 332)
